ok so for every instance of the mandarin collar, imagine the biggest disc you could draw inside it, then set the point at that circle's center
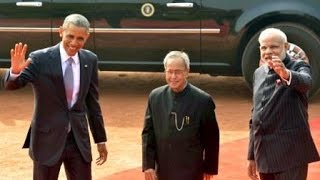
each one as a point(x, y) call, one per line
point(183, 92)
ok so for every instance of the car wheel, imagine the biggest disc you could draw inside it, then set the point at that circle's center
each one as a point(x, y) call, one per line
point(297, 34)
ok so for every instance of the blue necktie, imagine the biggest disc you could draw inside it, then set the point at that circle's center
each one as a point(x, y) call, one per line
point(68, 81)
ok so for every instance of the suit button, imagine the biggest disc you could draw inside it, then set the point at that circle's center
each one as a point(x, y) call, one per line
point(260, 122)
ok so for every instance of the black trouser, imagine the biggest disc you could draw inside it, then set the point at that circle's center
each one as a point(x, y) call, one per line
point(75, 166)
point(296, 173)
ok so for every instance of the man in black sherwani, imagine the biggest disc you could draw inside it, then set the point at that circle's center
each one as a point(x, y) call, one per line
point(180, 137)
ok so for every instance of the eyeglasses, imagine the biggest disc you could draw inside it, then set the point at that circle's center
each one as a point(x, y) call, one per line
point(177, 72)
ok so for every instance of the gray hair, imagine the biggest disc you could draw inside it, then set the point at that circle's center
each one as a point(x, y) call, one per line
point(177, 54)
point(77, 20)
point(273, 31)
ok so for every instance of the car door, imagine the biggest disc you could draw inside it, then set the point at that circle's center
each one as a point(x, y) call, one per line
point(23, 21)
point(219, 51)
point(136, 35)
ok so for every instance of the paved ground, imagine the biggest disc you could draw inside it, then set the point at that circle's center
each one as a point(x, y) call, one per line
point(232, 162)
point(123, 100)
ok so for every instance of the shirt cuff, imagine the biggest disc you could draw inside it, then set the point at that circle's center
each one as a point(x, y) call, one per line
point(288, 82)
point(101, 143)
point(13, 76)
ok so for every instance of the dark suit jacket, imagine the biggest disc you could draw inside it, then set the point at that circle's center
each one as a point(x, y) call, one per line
point(49, 127)
point(280, 136)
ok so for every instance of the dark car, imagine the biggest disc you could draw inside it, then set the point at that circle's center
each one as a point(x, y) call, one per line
point(134, 35)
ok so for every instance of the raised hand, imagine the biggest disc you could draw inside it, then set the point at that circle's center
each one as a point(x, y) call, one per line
point(18, 61)
point(278, 66)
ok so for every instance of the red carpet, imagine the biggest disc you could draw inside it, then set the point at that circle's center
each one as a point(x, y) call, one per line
point(232, 163)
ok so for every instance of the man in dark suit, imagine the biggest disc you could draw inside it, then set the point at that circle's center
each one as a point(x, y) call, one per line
point(280, 145)
point(180, 137)
point(63, 106)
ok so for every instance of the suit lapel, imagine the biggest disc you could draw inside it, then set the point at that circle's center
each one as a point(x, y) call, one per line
point(83, 74)
point(56, 70)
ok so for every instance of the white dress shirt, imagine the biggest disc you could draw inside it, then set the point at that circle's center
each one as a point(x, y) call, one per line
point(76, 71)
